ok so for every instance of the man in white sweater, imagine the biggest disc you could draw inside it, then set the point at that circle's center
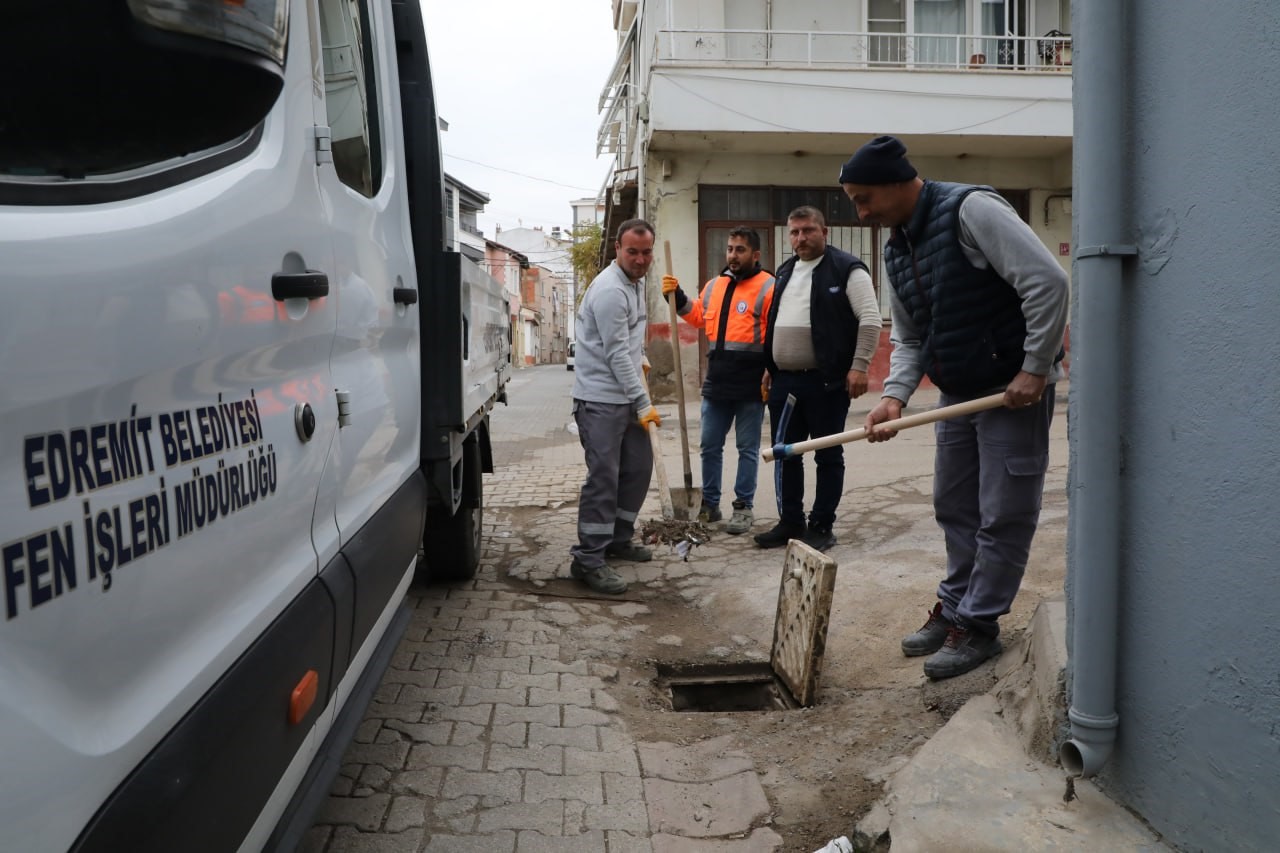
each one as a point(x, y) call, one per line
point(824, 326)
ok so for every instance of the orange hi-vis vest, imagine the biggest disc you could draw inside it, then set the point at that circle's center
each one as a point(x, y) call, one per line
point(733, 314)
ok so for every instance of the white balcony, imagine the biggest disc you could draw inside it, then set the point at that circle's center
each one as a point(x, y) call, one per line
point(853, 51)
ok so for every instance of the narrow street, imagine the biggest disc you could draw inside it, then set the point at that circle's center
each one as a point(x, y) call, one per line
point(521, 711)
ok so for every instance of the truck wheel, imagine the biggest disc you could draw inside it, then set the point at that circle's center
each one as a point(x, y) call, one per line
point(452, 542)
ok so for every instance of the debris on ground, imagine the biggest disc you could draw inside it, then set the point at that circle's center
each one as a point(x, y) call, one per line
point(684, 536)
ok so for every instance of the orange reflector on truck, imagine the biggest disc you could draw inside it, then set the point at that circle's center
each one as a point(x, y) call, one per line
point(304, 695)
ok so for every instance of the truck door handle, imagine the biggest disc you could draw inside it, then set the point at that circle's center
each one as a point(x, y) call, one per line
point(405, 295)
point(299, 285)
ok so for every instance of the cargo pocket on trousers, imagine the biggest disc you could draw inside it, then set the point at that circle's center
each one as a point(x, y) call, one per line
point(1024, 483)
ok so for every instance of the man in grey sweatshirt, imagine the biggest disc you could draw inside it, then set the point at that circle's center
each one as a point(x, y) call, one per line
point(980, 306)
point(612, 409)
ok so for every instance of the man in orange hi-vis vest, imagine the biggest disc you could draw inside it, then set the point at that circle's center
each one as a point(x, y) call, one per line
point(732, 309)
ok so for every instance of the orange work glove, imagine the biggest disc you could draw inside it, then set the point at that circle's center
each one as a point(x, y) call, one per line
point(669, 284)
point(650, 416)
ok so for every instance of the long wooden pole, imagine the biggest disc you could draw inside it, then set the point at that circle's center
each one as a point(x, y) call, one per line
point(675, 354)
point(785, 451)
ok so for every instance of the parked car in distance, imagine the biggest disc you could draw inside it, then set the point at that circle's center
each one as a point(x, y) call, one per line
point(568, 359)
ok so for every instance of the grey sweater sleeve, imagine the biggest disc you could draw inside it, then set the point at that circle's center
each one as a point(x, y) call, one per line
point(992, 235)
point(862, 298)
point(905, 369)
point(612, 319)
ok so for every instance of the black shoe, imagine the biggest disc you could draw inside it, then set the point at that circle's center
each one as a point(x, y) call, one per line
point(632, 551)
point(820, 538)
point(782, 533)
point(963, 650)
point(709, 514)
point(930, 637)
point(603, 579)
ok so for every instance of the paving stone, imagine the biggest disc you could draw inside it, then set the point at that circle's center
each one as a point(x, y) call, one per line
point(412, 674)
point(367, 731)
point(387, 735)
point(425, 783)
point(540, 665)
point(386, 694)
point(719, 808)
point(536, 842)
point(583, 788)
point(482, 678)
point(547, 715)
point(470, 757)
point(455, 806)
point(478, 714)
point(625, 842)
point(545, 681)
point(438, 662)
point(705, 761)
point(593, 761)
point(498, 842)
point(390, 755)
point(539, 696)
point(511, 734)
point(405, 813)
point(412, 694)
point(545, 817)
point(584, 737)
point(575, 716)
point(632, 816)
point(569, 681)
point(437, 733)
point(548, 759)
point(363, 812)
point(434, 648)
point(402, 659)
point(372, 779)
point(622, 789)
point(504, 786)
point(467, 733)
point(409, 712)
point(762, 840)
point(615, 737)
point(543, 650)
point(498, 696)
point(342, 786)
point(604, 671)
point(521, 664)
point(602, 700)
point(348, 840)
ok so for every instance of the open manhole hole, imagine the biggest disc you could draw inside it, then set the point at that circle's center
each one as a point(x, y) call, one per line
point(790, 678)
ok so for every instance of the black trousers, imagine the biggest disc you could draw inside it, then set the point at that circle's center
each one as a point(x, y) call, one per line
point(820, 410)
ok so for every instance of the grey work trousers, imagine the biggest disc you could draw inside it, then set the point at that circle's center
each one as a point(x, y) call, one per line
point(987, 487)
point(619, 467)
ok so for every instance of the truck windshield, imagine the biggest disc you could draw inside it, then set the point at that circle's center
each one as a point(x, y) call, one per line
point(130, 85)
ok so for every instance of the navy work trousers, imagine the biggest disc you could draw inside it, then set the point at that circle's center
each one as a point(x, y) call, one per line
point(819, 411)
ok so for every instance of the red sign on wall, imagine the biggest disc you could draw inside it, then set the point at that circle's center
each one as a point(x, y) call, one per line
point(1064, 248)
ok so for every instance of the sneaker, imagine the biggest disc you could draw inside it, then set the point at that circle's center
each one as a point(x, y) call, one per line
point(709, 514)
point(741, 520)
point(603, 579)
point(820, 538)
point(962, 651)
point(629, 551)
point(781, 533)
point(930, 637)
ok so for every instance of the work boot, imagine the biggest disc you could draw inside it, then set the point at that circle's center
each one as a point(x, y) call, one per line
point(963, 650)
point(740, 521)
point(820, 537)
point(603, 579)
point(629, 551)
point(709, 514)
point(781, 533)
point(930, 637)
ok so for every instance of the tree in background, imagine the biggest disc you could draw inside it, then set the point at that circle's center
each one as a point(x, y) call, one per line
point(585, 255)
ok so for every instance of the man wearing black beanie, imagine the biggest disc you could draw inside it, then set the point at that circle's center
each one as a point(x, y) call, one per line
point(979, 305)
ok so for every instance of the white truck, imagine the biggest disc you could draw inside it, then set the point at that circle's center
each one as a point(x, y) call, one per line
point(242, 384)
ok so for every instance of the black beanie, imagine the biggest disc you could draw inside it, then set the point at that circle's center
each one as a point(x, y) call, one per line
point(883, 160)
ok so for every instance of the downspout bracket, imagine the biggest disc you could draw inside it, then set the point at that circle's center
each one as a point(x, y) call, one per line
point(1106, 250)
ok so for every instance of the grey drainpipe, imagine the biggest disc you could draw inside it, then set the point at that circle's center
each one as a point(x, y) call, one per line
point(1099, 80)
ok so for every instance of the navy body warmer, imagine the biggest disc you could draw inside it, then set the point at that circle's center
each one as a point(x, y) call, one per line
point(831, 319)
point(972, 330)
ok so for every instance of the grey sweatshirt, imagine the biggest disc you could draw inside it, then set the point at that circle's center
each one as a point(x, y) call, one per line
point(609, 338)
point(992, 235)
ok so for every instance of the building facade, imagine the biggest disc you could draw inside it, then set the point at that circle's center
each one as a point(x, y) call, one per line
point(733, 112)
point(1172, 566)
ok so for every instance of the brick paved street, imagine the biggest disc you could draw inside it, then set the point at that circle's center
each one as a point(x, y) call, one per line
point(492, 731)
point(519, 713)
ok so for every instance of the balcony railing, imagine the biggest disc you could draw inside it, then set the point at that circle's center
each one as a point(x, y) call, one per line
point(810, 49)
